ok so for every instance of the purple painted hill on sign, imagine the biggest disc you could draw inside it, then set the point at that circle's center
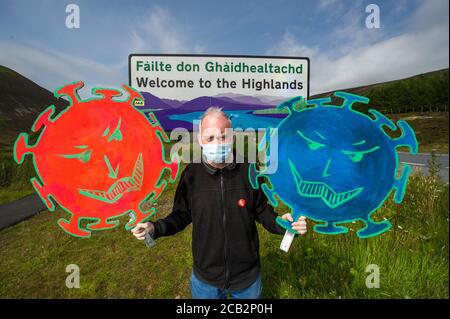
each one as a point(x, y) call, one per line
point(173, 113)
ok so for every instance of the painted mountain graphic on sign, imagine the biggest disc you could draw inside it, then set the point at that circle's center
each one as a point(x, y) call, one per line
point(168, 111)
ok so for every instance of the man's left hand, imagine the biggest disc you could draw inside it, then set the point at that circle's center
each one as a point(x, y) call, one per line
point(299, 225)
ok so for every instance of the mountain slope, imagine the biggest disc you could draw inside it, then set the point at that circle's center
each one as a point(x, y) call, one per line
point(416, 93)
point(21, 100)
point(203, 102)
point(154, 102)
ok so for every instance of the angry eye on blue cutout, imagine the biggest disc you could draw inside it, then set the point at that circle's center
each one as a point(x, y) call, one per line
point(313, 145)
point(357, 156)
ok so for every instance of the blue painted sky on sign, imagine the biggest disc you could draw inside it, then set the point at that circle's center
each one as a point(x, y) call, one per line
point(413, 37)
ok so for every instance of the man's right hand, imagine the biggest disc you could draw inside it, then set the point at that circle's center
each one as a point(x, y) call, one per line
point(142, 229)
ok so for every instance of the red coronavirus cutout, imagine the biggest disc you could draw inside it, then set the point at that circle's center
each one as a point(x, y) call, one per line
point(98, 159)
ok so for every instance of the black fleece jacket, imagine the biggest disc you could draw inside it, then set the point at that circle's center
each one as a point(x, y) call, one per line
point(223, 208)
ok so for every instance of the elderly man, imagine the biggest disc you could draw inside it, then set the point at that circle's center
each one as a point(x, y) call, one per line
point(216, 196)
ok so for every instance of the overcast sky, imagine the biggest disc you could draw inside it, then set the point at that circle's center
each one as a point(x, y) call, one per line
point(413, 37)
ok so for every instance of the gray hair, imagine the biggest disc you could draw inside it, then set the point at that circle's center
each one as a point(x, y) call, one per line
point(216, 112)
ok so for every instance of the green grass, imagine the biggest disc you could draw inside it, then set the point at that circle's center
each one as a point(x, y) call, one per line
point(14, 182)
point(412, 256)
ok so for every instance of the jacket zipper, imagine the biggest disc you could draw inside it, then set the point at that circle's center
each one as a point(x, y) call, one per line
point(224, 219)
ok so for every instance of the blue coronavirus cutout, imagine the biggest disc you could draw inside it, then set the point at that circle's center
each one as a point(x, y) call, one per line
point(336, 164)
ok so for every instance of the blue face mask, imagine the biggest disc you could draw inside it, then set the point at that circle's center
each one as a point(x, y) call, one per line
point(216, 153)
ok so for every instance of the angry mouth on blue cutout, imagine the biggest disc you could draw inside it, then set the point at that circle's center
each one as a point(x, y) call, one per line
point(322, 190)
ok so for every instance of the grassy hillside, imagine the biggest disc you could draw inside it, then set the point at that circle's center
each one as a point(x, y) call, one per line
point(426, 92)
point(21, 100)
point(420, 93)
point(431, 129)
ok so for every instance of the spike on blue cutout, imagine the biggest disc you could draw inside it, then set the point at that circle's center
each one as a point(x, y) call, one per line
point(373, 228)
point(350, 99)
point(319, 102)
point(330, 228)
point(289, 103)
point(253, 176)
point(408, 138)
point(381, 120)
point(341, 168)
point(300, 105)
point(270, 194)
point(400, 184)
point(271, 133)
point(264, 141)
